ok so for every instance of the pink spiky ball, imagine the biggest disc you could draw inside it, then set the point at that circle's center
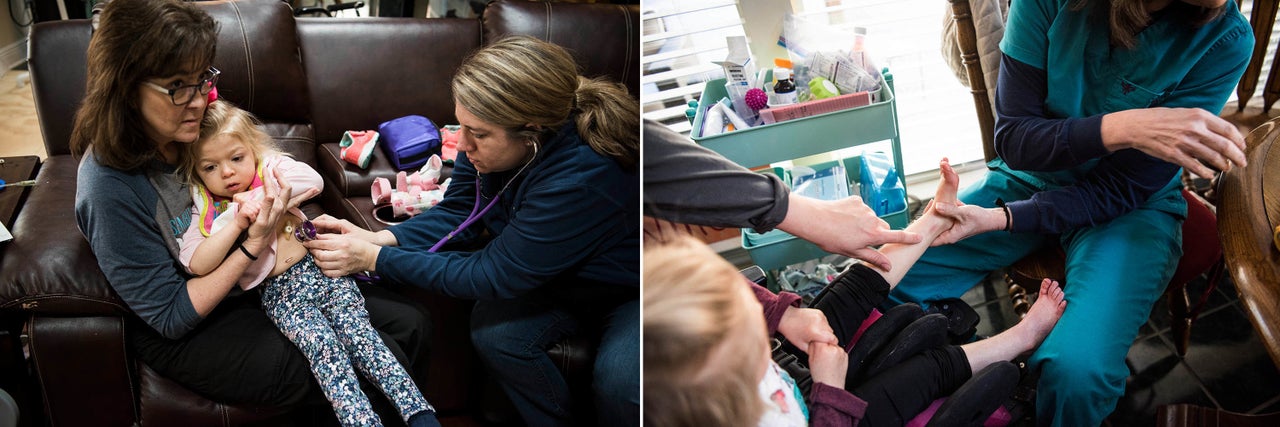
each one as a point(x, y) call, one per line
point(756, 98)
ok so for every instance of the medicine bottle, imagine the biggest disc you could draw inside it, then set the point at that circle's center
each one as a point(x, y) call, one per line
point(784, 91)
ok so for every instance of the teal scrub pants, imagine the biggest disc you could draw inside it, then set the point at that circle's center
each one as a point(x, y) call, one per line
point(1116, 271)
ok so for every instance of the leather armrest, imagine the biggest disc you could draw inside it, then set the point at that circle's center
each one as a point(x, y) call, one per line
point(84, 375)
point(48, 267)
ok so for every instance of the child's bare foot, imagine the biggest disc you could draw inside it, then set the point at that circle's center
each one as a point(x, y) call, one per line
point(1043, 315)
point(950, 183)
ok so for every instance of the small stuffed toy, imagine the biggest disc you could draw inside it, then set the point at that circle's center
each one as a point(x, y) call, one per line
point(357, 147)
point(415, 192)
point(449, 142)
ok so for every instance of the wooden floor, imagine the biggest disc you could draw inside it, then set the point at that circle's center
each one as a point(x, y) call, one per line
point(19, 128)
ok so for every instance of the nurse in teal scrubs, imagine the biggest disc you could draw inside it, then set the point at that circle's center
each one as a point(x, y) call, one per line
point(1099, 106)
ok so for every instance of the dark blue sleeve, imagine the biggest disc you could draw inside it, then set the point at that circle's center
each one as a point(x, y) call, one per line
point(543, 240)
point(1120, 183)
point(1026, 138)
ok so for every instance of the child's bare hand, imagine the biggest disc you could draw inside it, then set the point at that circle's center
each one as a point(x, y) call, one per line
point(828, 364)
point(803, 326)
point(247, 213)
point(246, 196)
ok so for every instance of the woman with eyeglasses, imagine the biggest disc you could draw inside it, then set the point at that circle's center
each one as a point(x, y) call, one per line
point(547, 181)
point(142, 107)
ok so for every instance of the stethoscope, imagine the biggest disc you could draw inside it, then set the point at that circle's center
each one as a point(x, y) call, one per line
point(476, 216)
point(307, 231)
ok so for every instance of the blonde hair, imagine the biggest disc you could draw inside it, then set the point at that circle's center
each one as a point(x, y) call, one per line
point(224, 118)
point(698, 369)
point(520, 80)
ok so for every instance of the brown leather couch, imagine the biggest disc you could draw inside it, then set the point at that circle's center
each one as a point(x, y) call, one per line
point(308, 79)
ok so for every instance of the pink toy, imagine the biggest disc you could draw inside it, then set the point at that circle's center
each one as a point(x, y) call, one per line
point(415, 192)
point(449, 142)
point(756, 98)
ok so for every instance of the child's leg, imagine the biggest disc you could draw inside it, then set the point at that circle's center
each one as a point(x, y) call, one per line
point(292, 310)
point(949, 270)
point(850, 298)
point(902, 391)
point(343, 306)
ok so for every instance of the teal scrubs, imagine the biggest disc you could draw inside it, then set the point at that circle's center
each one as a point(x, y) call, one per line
point(1116, 268)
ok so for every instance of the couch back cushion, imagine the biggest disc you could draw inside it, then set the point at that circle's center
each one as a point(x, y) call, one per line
point(365, 71)
point(603, 38)
point(57, 63)
point(262, 71)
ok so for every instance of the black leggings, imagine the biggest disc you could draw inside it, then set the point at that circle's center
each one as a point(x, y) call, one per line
point(899, 393)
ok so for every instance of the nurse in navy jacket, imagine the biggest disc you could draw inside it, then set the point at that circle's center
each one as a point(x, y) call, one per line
point(546, 179)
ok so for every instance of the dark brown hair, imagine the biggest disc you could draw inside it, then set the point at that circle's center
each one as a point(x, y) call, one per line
point(1127, 18)
point(521, 80)
point(137, 40)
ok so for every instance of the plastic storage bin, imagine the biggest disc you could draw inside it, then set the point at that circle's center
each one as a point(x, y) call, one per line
point(793, 139)
point(777, 249)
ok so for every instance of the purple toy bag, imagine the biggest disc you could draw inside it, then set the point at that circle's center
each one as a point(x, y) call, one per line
point(408, 141)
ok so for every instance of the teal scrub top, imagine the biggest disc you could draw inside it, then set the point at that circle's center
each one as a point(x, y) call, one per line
point(1171, 65)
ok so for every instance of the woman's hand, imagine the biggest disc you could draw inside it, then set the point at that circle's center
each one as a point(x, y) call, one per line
point(339, 255)
point(847, 227)
point(828, 364)
point(277, 200)
point(804, 326)
point(1188, 137)
point(970, 220)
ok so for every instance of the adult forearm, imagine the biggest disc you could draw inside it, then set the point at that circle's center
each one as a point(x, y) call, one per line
point(209, 290)
point(903, 256)
point(210, 253)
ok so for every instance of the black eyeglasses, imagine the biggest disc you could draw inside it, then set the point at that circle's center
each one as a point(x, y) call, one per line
point(183, 95)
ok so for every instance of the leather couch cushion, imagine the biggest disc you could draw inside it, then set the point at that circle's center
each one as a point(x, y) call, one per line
point(48, 267)
point(58, 54)
point(258, 57)
point(165, 403)
point(363, 72)
point(296, 139)
point(603, 38)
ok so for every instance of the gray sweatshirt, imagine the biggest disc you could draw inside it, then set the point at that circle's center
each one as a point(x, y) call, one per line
point(132, 221)
point(687, 183)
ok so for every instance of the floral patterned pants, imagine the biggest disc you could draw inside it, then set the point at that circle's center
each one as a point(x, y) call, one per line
point(327, 320)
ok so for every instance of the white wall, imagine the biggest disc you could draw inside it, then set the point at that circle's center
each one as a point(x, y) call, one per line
point(9, 32)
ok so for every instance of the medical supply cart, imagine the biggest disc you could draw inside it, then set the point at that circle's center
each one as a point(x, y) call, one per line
point(800, 138)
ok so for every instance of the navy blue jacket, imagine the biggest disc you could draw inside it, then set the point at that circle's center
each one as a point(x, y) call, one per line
point(572, 216)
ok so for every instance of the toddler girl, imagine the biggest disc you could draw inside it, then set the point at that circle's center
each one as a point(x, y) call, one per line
point(325, 317)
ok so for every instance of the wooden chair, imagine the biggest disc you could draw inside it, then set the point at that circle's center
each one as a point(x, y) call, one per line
point(1249, 225)
point(1201, 249)
point(1263, 17)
